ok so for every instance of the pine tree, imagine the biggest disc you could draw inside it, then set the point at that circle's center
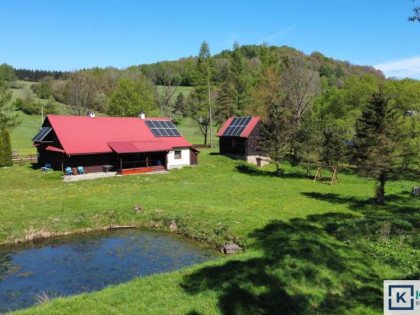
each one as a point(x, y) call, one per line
point(180, 106)
point(203, 81)
point(239, 79)
point(8, 116)
point(379, 143)
point(275, 133)
point(7, 148)
point(333, 147)
point(233, 96)
point(308, 141)
point(225, 98)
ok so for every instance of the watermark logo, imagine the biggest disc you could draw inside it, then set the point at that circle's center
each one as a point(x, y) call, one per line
point(401, 297)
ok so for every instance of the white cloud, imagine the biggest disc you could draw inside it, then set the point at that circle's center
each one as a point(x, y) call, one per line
point(280, 33)
point(404, 68)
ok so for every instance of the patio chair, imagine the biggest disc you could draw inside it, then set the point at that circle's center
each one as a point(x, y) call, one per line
point(46, 168)
point(80, 170)
point(69, 171)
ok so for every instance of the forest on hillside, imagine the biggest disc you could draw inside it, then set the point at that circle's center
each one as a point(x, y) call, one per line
point(233, 82)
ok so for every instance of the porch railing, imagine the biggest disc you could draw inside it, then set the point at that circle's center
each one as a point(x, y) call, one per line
point(141, 164)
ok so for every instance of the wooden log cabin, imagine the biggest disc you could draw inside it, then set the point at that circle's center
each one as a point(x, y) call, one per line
point(239, 138)
point(124, 144)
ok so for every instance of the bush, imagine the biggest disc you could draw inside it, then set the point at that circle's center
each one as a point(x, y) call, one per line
point(16, 85)
point(5, 149)
point(31, 108)
point(35, 108)
point(19, 104)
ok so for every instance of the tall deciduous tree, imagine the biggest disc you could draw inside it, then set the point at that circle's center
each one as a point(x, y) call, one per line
point(203, 81)
point(166, 82)
point(300, 85)
point(7, 73)
point(200, 113)
point(380, 142)
point(9, 117)
point(267, 92)
point(79, 92)
point(130, 98)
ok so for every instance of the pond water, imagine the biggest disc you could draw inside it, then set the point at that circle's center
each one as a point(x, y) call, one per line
point(71, 265)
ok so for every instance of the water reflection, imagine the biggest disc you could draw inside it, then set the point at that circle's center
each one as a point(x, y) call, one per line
point(90, 262)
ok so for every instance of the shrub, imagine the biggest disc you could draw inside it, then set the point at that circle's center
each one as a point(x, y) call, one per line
point(6, 147)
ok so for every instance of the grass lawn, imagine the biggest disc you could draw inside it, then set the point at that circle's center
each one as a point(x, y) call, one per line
point(309, 247)
point(21, 136)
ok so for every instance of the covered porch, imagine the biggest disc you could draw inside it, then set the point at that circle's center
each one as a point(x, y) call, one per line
point(140, 157)
point(134, 163)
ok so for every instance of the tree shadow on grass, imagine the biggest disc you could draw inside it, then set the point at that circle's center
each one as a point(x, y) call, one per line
point(252, 170)
point(299, 269)
point(397, 205)
point(399, 216)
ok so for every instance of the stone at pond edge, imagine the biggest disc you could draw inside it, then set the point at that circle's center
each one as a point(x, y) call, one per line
point(173, 227)
point(138, 208)
point(229, 248)
point(416, 191)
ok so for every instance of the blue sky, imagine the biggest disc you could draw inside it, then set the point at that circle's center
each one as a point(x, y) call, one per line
point(70, 35)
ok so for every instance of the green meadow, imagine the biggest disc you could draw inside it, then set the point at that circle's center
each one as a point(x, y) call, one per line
point(308, 247)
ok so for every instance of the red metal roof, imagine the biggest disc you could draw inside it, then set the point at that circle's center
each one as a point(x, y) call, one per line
point(247, 131)
point(87, 135)
point(51, 148)
point(139, 146)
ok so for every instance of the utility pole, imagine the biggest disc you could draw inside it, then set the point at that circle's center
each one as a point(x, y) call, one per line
point(42, 114)
point(211, 116)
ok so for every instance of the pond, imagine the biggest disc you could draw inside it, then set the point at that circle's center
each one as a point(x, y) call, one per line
point(71, 265)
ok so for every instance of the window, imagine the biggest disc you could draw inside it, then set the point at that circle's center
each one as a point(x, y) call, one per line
point(177, 154)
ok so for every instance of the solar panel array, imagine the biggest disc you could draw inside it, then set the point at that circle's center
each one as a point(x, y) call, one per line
point(163, 128)
point(237, 126)
point(42, 133)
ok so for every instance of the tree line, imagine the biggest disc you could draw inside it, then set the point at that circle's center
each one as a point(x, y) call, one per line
point(36, 75)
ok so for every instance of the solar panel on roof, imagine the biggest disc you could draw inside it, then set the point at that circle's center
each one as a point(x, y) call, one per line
point(237, 126)
point(42, 133)
point(162, 128)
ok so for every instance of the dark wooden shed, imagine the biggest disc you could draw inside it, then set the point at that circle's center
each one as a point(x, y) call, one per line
point(240, 138)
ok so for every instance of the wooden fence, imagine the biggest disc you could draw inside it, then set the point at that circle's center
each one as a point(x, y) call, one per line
point(22, 159)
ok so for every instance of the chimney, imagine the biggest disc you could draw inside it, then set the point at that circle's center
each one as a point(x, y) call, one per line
point(142, 116)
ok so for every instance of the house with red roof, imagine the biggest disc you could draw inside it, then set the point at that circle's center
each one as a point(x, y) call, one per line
point(239, 137)
point(125, 144)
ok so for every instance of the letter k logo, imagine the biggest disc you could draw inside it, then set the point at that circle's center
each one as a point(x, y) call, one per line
point(400, 297)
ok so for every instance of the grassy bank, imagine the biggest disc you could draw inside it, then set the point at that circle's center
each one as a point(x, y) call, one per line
point(310, 248)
